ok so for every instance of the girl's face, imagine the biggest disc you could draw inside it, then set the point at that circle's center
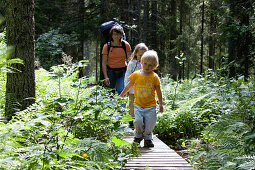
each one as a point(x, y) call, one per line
point(116, 36)
point(139, 54)
point(148, 66)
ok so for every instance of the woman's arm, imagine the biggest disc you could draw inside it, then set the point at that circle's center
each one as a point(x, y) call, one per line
point(128, 51)
point(160, 100)
point(104, 67)
point(129, 56)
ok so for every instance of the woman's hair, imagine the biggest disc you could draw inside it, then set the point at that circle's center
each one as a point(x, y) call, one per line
point(117, 29)
point(138, 47)
point(150, 56)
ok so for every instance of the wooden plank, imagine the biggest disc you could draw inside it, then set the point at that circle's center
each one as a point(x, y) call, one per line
point(158, 157)
point(156, 164)
point(158, 160)
point(172, 158)
point(158, 168)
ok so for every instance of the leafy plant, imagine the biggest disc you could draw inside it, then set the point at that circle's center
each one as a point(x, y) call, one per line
point(57, 131)
point(229, 141)
point(50, 45)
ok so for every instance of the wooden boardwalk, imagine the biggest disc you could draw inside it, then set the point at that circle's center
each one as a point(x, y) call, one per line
point(159, 157)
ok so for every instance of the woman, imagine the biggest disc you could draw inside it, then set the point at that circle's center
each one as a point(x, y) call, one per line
point(114, 61)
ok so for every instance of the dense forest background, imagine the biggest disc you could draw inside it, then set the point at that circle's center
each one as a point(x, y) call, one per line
point(53, 117)
point(190, 36)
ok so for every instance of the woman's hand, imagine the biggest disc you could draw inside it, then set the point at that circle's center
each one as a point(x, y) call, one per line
point(107, 81)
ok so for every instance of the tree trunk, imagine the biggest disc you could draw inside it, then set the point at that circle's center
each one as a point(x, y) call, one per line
point(136, 17)
point(202, 39)
point(145, 21)
point(245, 40)
point(153, 24)
point(20, 85)
point(212, 31)
point(181, 50)
point(81, 18)
point(173, 63)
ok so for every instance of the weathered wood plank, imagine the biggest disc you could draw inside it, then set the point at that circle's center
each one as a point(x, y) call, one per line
point(156, 164)
point(158, 157)
point(157, 160)
point(159, 168)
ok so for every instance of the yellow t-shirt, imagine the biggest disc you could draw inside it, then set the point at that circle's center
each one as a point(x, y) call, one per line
point(144, 88)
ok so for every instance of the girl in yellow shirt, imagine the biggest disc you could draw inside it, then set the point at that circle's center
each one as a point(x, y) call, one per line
point(146, 82)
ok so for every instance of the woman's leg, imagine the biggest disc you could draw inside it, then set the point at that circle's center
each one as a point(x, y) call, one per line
point(112, 78)
point(120, 81)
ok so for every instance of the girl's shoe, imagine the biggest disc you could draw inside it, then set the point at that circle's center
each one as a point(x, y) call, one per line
point(148, 143)
point(138, 140)
point(131, 124)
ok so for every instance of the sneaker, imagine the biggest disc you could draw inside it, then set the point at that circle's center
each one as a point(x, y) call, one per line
point(131, 124)
point(148, 143)
point(138, 140)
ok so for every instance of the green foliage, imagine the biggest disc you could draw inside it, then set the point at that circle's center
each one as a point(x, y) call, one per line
point(213, 118)
point(5, 66)
point(50, 45)
point(56, 131)
point(233, 134)
point(5, 63)
point(189, 109)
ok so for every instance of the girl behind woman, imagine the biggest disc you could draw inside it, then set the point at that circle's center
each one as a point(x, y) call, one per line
point(134, 65)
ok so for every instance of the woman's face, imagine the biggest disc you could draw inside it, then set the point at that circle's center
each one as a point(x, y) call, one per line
point(139, 54)
point(116, 36)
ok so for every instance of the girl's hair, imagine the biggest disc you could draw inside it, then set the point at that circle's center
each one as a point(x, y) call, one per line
point(117, 29)
point(138, 47)
point(150, 56)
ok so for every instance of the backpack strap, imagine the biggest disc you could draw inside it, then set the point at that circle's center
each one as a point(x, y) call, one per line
point(123, 45)
point(108, 46)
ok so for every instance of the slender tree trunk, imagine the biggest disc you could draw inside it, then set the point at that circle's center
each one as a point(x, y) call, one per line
point(182, 13)
point(246, 40)
point(202, 39)
point(212, 31)
point(86, 53)
point(154, 27)
point(136, 18)
point(97, 61)
point(20, 85)
point(231, 47)
point(145, 21)
point(81, 17)
point(174, 64)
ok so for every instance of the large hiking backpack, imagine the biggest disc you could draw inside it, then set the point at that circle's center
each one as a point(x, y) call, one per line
point(104, 31)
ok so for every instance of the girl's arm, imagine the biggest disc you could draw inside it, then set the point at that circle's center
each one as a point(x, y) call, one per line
point(126, 89)
point(130, 68)
point(160, 100)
